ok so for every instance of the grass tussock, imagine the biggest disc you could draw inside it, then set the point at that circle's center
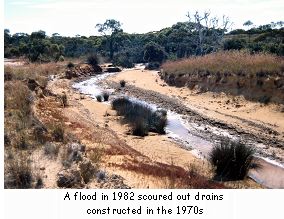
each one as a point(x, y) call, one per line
point(63, 100)
point(141, 117)
point(19, 173)
point(95, 156)
point(122, 83)
point(99, 98)
point(232, 160)
point(51, 149)
point(18, 98)
point(105, 95)
point(234, 62)
point(58, 132)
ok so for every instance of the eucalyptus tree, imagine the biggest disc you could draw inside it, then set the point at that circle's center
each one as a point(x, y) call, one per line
point(110, 29)
point(207, 31)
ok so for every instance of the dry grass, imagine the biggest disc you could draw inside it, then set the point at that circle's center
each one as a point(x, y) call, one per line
point(235, 62)
point(95, 156)
point(51, 150)
point(19, 172)
point(173, 176)
point(22, 128)
point(58, 131)
point(18, 98)
point(34, 69)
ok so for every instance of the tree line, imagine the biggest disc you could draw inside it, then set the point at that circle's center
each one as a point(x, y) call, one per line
point(200, 35)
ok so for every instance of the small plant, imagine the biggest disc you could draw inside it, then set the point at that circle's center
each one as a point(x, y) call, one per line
point(20, 99)
point(87, 170)
point(96, 156)
point(19, 172)
point(73, 152)
point(232, 160)
point(39, 183)
point(99, 98)
point(22, 143)
point(51, 149)
point(101, 175)
point(264, 99)
point(39, 133)
point(122, 83)
point(61, 58)
point(58, 132)
point(70, 65)
point(7, 140)
point(63, 99)
point(105, 96)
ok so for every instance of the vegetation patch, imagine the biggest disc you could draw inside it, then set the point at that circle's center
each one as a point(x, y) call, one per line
point(105, 95)
point(122, 83)
point(18, 171)
point(58, 132)
point(230, 62)
point(141, 117)
point(255, 76)
point(99, 98)
point(51, 149)
point(232, 160)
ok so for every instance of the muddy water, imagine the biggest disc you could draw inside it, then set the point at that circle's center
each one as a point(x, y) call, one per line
point(178, 130)
point(271, 175)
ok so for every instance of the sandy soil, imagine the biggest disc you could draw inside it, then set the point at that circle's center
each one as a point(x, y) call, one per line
point(261, 120)
point(227, 108)
point(150, 150)
point(142, 162)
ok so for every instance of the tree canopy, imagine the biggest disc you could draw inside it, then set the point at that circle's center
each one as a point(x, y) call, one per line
point(201, 34)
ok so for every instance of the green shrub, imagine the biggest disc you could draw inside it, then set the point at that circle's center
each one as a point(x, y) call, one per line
point(264, 99)
point(123, 60)
point(61, 58)
point(70, 65)
point(105, 96)
point(99, 98)
point(93, 60)
point(234, 44)
point(232, 160)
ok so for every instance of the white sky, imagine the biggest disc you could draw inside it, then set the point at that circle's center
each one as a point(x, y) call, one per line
point(71, 17)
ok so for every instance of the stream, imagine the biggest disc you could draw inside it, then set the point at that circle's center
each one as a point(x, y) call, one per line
point(271, 174)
